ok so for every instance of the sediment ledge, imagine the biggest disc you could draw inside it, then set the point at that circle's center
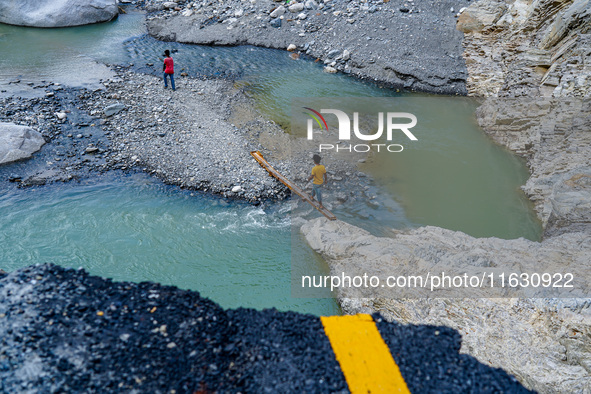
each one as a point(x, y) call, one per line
point(198, 137)
point(65, 330)
point(413, 46)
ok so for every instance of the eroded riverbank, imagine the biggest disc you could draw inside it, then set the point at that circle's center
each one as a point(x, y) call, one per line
point(413, 45)
point(513, 49)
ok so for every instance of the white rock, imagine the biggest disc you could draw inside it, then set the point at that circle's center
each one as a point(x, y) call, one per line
point(330, 70)
point(291, 47)
point(346, 55)
point(302, 16)
point(236, 189)
point(277, 12)
point(296, 7)
point(61, 115)
point(169, 5)
point(18, 142)
point(51, 13)
point(311, 4)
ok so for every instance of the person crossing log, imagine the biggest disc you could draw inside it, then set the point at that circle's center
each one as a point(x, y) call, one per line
point(293, 187)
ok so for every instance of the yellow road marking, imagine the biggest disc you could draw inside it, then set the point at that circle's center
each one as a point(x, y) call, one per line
point(363, 355)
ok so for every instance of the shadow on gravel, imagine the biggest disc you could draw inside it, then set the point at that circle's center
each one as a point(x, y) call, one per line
point(65, 330)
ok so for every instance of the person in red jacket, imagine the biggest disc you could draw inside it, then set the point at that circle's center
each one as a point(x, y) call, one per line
point(168, 69)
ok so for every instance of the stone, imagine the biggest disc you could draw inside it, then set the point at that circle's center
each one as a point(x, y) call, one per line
point(311, 5)
point(114, 109)
point(61, 115)
point(302, 16)
point(296, 7)
point(275, 22)
point(291, 47)
point(277, 12)
point(50, 13)
point(169, 5)
point(236, 189)
point(333, 53)
point(330, 70)
point(346, 55)
point(18, 142)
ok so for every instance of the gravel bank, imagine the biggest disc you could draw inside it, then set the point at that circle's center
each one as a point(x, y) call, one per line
point(198, 137)
point(412, 45)
point(94, 335)
point(186, 137)
point(76, 146)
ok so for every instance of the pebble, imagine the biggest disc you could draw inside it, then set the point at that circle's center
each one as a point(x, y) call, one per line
point(114, 109)
point(333, 53)
point(277, 12)
point(295, 8)
point(275, 22)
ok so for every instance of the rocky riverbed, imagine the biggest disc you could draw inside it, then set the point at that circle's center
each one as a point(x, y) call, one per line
point(512, 49)
point(406, 44)
point(530, 62)
point(198, 137)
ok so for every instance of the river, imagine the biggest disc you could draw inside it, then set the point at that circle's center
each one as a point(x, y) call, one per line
point(131, 227)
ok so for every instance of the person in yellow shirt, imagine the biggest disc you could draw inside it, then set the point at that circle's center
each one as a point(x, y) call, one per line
point(319, 176)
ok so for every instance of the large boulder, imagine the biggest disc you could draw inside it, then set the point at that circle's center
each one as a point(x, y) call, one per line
point(18, 142)
point(57, 13)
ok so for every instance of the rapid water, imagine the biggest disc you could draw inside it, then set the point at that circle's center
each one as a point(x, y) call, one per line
point(136, 229)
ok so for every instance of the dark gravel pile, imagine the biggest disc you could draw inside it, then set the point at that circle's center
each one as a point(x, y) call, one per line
point(63, 330)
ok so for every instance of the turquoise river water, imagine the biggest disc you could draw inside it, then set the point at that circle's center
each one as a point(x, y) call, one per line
point(134, 228)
